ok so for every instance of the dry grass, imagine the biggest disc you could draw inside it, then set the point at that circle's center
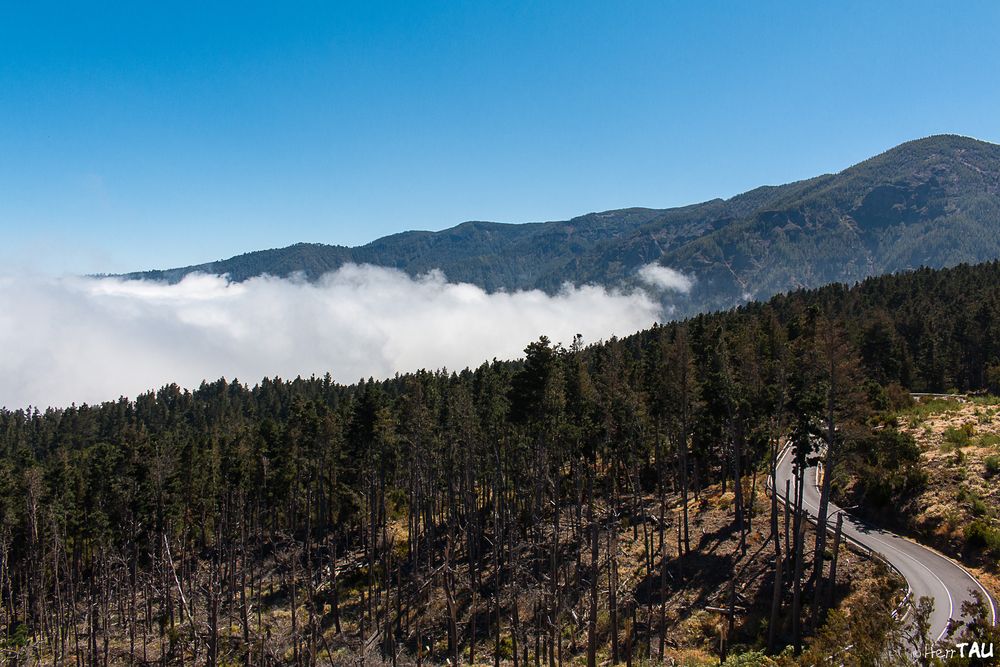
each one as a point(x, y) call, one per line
point(960, 445)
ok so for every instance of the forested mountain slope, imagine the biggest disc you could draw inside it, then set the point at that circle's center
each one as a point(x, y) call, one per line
point(583, 504)
point(933, 202)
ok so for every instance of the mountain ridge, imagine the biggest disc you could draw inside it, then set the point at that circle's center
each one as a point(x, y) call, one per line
point(927, 202)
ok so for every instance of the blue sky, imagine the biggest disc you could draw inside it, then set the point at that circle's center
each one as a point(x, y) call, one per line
point(160, 134)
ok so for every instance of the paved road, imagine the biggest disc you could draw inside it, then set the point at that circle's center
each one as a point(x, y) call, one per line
point(927, 572)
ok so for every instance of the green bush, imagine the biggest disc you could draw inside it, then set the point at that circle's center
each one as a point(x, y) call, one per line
point(992, 465)
point(750, 659)
point(506, 647)
point(17, 636)
point(988, 440)
point(980, 535)
point(959, 437)
point(979, 508)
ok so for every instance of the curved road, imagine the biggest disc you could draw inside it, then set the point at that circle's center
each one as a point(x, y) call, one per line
point(927, 572)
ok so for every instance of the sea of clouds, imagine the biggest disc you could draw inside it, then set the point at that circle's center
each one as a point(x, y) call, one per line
point(75, 339)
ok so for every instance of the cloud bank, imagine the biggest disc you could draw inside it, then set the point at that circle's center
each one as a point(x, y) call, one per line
point(75, 340)
point(665, 279)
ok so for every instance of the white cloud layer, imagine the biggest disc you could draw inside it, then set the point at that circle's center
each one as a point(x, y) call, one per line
point(664, 278)
point(92, 339)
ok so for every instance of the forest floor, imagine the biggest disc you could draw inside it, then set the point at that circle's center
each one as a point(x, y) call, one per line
point(695, 629)
point(695, 626)
point(696, 597)
point(960, 450)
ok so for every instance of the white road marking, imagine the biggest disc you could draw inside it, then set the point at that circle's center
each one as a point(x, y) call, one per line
point(951, 602)
point(896, 550)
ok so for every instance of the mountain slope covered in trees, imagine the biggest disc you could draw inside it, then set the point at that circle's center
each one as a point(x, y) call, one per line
point(932, 202)
point(583, 504)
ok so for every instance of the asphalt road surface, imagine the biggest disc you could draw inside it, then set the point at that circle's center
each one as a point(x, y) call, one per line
point(927, 572)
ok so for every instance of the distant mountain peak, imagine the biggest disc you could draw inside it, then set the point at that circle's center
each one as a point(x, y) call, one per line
point(933, 202)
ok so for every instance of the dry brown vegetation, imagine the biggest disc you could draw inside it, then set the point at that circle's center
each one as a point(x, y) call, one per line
point(960, 450)
point(698, 595)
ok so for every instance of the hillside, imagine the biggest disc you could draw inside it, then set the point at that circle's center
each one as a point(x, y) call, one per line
point(957, 507)
point(581, 505)
point(933, 202)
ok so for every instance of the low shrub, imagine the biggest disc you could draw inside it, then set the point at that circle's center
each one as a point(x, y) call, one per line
point(959, 437)
point(992, 464)
point(980, 535)
point(750, 659)
point(923, 409)
point(988, 440)
point(979, 508)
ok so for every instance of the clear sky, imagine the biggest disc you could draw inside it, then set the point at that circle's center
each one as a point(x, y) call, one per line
point(160, 134)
